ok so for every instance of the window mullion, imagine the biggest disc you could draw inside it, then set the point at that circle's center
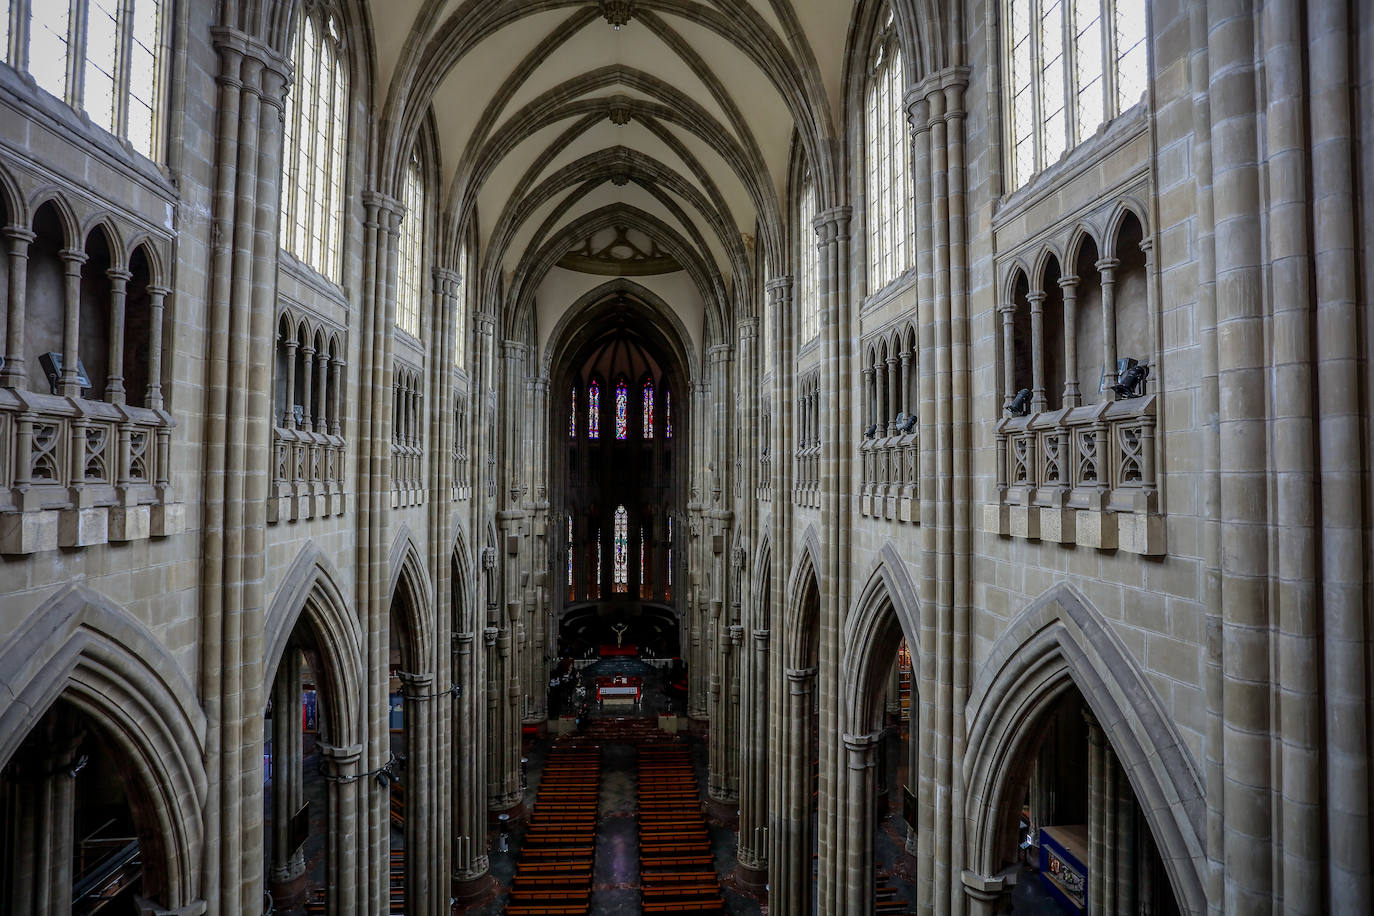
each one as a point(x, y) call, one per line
point(124, 32)
point(1110, 108)
point(1069, 85)
point(76, 53)
point(1036, 82)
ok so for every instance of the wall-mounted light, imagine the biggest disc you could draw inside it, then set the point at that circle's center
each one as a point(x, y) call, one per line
point(1020, 405)
point(1131, 376)
point(872, 431)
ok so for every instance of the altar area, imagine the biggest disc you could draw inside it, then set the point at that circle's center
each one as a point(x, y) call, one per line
point(619, 690)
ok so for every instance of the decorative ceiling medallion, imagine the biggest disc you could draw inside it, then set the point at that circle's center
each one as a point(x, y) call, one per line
point(618, 12)
point(618, 110)
point(621, 256)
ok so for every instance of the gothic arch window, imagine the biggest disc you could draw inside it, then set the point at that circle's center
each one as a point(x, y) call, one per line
point(667, 414)
point(119, 49)
point(1071, 65)
point(808, 277)
point(316, 136)
point(593, 410)
point(572, 415)
point(622, 410)
point(410, 282)
point(887, 154)
point(571, 587)
point(649, 409)
point(460, 315)
point(620, 579)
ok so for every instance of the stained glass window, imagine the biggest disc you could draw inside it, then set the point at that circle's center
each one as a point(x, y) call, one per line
point(593, 410)
point(572, 415)
point(570, 556)
point(622, 410)
point(668, 591)
point(596, 588)
point(1071, 65)
point(620, 580)
point(648, 410)
point(667, 415)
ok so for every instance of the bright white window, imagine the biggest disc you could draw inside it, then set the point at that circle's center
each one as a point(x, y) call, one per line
point(1070, 64)
point(460, 309)
point(105, 57)
point(887, 151)
point(316, 135)
point(808, 277)
point(410, 282)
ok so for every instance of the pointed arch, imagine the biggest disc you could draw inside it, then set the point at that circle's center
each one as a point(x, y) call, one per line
point(1060, 641)
point(408, 571)
point(12, 200)
point(888, 609)
point(81, 647)
point(763, 574)
point(802, 622)
point(311, 590)
point(66, 218)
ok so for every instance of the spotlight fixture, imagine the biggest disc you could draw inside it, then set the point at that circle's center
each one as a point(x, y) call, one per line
point(872, 431)
point(78, 765)
point(1020, 405)
point(1131, 376)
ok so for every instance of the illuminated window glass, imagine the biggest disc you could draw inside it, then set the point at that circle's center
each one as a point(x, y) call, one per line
point(622, 410)
point(593, 410)
point(312, 160)
point(808, 293)
point(460, 310)
point(620, 580)
point(667, 414)
point(668, 592)
point(1071, 65)
point(887, 150)
point(117, 47)
point(572, 415)
point(648, 410)
point(570, 558)
point(412, 242)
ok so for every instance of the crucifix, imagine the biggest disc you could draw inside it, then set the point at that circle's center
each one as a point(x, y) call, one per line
point(619, 629)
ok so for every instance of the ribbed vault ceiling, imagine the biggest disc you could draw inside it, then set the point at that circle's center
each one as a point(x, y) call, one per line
point(551, 124)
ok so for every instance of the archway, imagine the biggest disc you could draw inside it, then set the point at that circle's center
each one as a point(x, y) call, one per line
point(1060, 694)
point(621, 422)
point(881, 734)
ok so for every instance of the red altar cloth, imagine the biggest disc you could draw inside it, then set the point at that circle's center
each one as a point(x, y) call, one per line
point(619, 650)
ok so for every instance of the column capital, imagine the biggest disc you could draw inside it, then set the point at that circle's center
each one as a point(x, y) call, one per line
point(1036, 298)
point(761, 635)
point(801, 680)
point(119, 274)
point(748, 328)
point(416, 686)
point(1106, 264)
point(73, 256)
point(21, 234)
point(342, 760)
point(833, 224)
point(1007, 308)
point(862, 749)
point(1068, 282)
point(779, 286)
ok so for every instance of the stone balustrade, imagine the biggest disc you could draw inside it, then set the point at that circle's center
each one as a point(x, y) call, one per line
point(1080, 475)
point(74, 473)
point(890, 489)
point(307, 476)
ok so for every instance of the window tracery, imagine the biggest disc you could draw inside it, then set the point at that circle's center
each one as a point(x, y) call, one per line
point(620, 579)
point(593, 410)
point(410, 282)
point(887, 152)
point(808, 300)
point(1072, 64)
point(622, 410)
point(120, 52)
point(313, 154)
point(649, 409)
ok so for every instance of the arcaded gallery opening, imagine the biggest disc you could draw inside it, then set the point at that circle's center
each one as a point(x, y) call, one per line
point(545, 457)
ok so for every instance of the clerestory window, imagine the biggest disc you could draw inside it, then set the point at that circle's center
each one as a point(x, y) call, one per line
point(887, 154)
point(809, 257)
point(410, 282)
point(1071, 65)
point(316, 136)
point(104, 57)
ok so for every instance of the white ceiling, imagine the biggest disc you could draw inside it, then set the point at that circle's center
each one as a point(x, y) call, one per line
point(705, 111)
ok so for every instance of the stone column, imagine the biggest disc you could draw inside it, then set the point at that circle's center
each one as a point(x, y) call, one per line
point(753, 807)
point(470, 861)
point(288, 420)
point(894, 392)
point(1069, 285)
point(322, 387)
point(790, 880)
point(860, 755)
point(1008, 313)
point(287, 879)
point(1036, 298)
point(420, 796)
point(1107, 268)
point(69, 384)
point(157, 298)
point(18, 239)
point(308, 362)
point(344, 791)
point(114, 380)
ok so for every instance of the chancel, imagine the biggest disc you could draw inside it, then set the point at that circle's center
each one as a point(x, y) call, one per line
point(686, 456)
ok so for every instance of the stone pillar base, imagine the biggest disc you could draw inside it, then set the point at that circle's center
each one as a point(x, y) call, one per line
point(473, 891)
point(751, 881)
point(698, 725)
point(723, 813)
point(290, 893)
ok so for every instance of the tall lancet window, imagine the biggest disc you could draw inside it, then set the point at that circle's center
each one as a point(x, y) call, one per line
point(410, 282)
point(312, 196)
point(668, 591)
point(649, 409)
point(668, 414)
point(622, 410)
point(620, 581)
point(808, 302)
point(887, 148)
point(593, 410)
point(571, 588)
point(572, 415)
